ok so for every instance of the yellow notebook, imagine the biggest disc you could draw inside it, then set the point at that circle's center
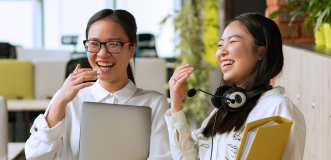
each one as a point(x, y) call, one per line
point(269, 142)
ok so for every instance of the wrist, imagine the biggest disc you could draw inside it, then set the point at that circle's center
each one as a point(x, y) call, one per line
point(175, 109)
point(60, 102)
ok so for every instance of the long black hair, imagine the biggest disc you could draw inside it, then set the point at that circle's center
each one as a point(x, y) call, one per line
point(126, 20)
point(265, 33)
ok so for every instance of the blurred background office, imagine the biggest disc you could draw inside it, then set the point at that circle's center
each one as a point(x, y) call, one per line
point(41, 41)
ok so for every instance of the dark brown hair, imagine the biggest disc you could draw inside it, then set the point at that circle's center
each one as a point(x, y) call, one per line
point(125, 19)
point(265, 33)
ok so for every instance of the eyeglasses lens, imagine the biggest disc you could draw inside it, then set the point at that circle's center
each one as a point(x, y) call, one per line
point(94, 46)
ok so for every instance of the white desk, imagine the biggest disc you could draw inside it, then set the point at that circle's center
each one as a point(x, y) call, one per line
point(14, 150)
point(27, 105)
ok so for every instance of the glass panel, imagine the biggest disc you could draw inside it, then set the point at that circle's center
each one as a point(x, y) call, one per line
point(16, 23)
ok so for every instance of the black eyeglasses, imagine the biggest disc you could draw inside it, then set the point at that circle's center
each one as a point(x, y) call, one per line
point(111, 46)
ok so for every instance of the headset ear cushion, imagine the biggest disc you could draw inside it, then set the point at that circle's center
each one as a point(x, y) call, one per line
point(216, 101)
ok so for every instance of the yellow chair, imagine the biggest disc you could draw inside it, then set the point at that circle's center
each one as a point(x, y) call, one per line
point(16, 80)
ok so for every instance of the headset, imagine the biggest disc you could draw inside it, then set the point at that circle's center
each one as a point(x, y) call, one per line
point(232, 99)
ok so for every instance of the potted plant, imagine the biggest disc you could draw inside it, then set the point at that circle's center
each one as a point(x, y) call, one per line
point(190, 23)
point(314, 11)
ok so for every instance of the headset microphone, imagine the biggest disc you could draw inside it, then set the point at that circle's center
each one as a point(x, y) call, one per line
point(193, 91)
point(232, 99)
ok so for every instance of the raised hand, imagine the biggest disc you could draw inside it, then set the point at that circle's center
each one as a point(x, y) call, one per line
point(177, 87)
point(69, 90)
point(74, 83)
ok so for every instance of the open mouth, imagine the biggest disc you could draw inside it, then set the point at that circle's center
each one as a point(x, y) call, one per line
point(227, 63)
point(105, 65)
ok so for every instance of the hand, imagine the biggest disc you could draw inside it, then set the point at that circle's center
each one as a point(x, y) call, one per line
point(177, 87)
point(74, 83)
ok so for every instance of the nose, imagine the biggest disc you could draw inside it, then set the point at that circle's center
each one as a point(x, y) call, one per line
point(103, 52)
point(222, 51)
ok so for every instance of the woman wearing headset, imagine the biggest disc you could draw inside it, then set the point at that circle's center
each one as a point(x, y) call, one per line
point(111, 43)
point(249, 54)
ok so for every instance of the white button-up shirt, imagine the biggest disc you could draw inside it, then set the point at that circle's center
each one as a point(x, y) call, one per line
point(226, 146)
point(62, 141)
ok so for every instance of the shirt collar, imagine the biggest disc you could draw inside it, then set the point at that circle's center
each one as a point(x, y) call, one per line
point(276, 90)
point(123, 95)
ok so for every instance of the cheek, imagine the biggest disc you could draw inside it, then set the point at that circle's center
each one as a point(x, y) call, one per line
point(90, 57)
point(218, 56)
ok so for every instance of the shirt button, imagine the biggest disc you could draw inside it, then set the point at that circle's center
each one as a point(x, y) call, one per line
point(110, 95)
point(36, 129)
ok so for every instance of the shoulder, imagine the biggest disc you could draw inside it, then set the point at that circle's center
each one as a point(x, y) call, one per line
point(274, 98)
point(275, 103)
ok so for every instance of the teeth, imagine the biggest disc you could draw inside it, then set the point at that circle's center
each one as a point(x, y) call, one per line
point(225, 63)
point(102, 64)
point(104, 68)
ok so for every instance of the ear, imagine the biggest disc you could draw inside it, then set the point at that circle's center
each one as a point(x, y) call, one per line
point(260, 52)
point(133, 50)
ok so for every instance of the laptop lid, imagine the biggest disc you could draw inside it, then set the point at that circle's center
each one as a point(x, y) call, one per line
point(114, 131)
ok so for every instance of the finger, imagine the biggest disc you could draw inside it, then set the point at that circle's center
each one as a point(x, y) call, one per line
point(186, 70)
point(179, 76)
point(86, 69)
point(84, 85)
point(181, 67)
point(78, 66)
point(80, 70)
point(180, 81)
point(76, 71)
point(83, 78)
point(88, 73)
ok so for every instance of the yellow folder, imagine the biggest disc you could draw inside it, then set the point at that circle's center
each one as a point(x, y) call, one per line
point(269, 142)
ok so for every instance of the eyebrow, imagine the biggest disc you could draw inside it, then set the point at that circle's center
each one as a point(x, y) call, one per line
point(231, 37)
point(110, 39)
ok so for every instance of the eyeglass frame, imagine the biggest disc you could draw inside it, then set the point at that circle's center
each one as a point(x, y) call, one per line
point(104, 43)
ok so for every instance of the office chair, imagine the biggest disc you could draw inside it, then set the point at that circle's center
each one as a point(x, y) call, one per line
point(7, 51)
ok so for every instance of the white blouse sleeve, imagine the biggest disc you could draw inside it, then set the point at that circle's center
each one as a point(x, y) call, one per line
point(45, 142)
point(295, 145)
point(159, 149)
point(185, 148)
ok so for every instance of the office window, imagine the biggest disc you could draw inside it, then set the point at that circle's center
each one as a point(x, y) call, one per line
point(68, 17)
point(148, 14)
point(16, 23)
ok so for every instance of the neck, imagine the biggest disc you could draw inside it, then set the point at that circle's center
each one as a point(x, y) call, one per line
point(113, 86)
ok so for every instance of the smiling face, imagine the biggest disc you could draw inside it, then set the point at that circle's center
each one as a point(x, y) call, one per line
point(237, 55)
point(112, 66)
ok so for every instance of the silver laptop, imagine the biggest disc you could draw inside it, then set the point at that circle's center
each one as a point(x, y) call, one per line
point(113, 131)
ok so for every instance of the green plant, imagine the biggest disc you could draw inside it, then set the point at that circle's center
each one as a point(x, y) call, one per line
point(315, 11)
point(188, 22)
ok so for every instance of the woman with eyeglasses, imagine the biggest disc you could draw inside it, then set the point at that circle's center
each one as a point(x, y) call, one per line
point(111, 43)
point(249, 54)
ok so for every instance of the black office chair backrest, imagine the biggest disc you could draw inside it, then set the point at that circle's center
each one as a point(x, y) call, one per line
point(146, 45)
point(7, 50)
